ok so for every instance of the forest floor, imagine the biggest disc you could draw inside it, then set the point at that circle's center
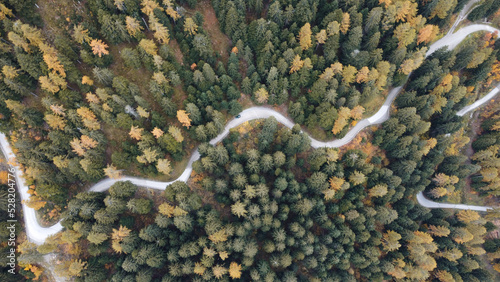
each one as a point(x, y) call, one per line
point(220, 42)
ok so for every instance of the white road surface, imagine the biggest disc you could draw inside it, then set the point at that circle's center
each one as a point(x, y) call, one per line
point(38, 234)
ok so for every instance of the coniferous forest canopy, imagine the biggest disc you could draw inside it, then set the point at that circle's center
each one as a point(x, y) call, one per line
point(111, 88)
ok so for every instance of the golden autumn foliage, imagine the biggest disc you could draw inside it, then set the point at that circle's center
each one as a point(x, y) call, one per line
point(343, 116)
point(321, 36)
point(87, 80)
point(297, 64)
point(219, 271)
point(346, 23)
point(199, 268)
point(171, 211)
point(235, 270)
point(92, 98)
point(55, 121)
point(305, 33)
point(136, 132)
point(5, 12)
point(219, 236)
point(438, 231)
point(121, 233)
point(148, 6)
point(427, 33)
point(183, 118)
point(148, 46)
point(80, 34)
point(468, 216)
point(99, 47)
point(163, 166)
point(111, 172)
point(88, 118)
point(261, 95)
point(58, 109)
point(35, 202)
point(176, 133)
point(191, 27)
point(349, 74)
point(133, 26)
point(157, 133)
point(10, 72)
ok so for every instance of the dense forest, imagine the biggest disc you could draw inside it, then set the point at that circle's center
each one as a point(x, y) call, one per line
point(100, 88)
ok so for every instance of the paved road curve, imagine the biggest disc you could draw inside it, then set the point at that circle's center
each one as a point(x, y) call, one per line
point(38, 234)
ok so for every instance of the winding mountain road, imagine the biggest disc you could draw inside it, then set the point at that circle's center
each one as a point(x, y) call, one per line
point(38, 234)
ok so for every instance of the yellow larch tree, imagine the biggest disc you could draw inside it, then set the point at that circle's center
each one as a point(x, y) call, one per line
point(10, 72)
point(163, 166)
point(136, 132)
point(297, 64)
point(5, 12)
point(58, 109)
point(357, 112)
point(438, 231)
point(349, 74)
point(161, 32)
point(50, 58)
point(363, 75)
point(111, 172)
point(341, 122)
point(261, 95)
point(80, 34)
point(172, 13)
point(87, 80)
point(92, 98)
point(190, 26)
point(405, 34)
point(219, 236)
point(427, 33)
point(18, 41)
point(120, 234)
point(390, 240)
point(148, 6)
point(61, 162)
point(468, 216)
point(405, 10)
point(346, 23)
point(219, 271)
point(99, 47)
point(142, 112)
point(47, 84)
point(166, 209)
point(77, 147)
point(223, 255)
point(176, 133)
point(148, 46)
point(333, 28)
point(88, 142)
point(183, 118)
point(235, 270)
point(55, 121)
point(133, 26)
point(336, 183)
point(120, 4)
point(199, 268)
point(88, 118)
point(157, 132)
point(321, 36)
point(305, 33)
